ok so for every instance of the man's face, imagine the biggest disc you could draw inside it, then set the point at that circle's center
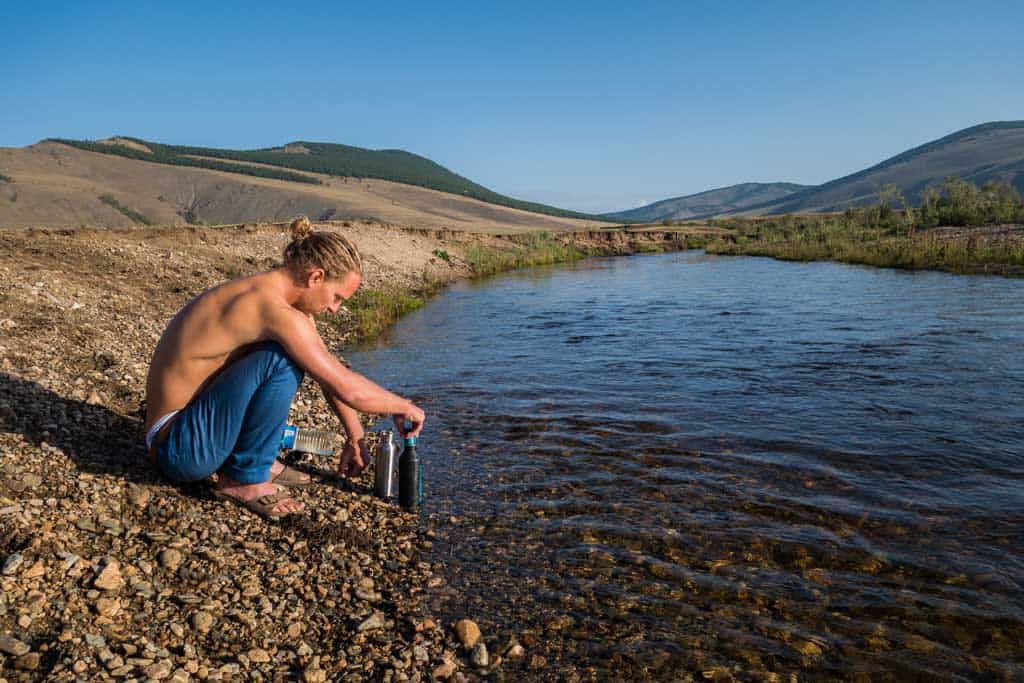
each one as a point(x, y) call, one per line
point(330, 294)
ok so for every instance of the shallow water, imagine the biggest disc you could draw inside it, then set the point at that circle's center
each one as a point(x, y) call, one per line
point(683, 463)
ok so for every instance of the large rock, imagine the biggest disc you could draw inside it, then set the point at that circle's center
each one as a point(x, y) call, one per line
point(468, 633)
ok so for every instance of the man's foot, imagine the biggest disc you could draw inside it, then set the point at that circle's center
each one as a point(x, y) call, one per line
point(288, 476)
point(266, 499)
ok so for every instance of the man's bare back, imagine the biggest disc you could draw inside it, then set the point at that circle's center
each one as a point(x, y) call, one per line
point(209, 332)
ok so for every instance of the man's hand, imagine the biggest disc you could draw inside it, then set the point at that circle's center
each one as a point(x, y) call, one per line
point(354, 457)
point(412, 414)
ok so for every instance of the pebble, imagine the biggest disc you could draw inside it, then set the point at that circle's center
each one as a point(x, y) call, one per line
point(468, 633)
point(314, 675)
point(258, 656)
point(95, 641)
point(110, 578)
point(28, 662)
point(373, 622)
point(36, 570)
point(444, 670)
point(169, 559)
point(12, 564)
point(138, 496)
point(108, 607)
point(479, 656)
point(12, 646)
point(202, 621)
point(158, 671)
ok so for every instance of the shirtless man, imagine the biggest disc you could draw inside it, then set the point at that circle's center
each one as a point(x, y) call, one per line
point(225, 371)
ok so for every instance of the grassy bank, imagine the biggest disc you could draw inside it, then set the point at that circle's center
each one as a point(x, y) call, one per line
point(959, 229)
point(994, 250)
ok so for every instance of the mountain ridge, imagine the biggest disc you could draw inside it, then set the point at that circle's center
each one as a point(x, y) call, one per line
point(706, 203)
point(988, 151)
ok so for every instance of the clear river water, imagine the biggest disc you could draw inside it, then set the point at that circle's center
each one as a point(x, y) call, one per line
point(649, 466)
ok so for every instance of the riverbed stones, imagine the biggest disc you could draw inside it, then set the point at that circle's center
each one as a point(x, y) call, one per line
point(444, 670)
point(28, 661)
point(169, 559)
point(372, 623)
point(109, 578)
point(138, 496)
point(35, 571)
point(202, 621)
point(108, 607)
point(468, 633)
point(479, 656)
point(12, 646)
point(12, 564)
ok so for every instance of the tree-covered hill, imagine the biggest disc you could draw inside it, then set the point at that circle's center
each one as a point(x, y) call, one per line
point(291, 160)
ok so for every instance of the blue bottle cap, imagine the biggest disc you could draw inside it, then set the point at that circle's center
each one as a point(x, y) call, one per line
point(410, 441)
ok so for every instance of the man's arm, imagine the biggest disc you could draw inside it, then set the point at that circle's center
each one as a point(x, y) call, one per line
point(298, 335)
point(348, 417)
point(355, 455)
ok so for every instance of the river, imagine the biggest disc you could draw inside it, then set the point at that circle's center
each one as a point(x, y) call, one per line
point(646, 466)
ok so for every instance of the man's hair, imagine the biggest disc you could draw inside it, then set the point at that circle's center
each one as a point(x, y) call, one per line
point(311, 249)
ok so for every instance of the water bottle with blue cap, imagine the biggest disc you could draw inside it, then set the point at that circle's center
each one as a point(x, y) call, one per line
point(410, 477)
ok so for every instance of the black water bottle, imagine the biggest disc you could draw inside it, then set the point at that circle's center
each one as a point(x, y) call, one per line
point(410, 477)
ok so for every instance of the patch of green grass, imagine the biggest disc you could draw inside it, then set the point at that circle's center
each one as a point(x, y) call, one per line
point(442, 254)
point(132, 215)
point(374, 310)
point(530, 249)
point(845, 239)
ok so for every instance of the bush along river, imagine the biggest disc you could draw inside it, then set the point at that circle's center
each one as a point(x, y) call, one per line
point(726, 468)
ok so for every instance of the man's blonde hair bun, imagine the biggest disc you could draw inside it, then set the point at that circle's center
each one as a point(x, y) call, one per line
point(300, 228)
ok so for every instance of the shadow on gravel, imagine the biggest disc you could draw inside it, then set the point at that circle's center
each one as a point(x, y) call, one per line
point(96, 438)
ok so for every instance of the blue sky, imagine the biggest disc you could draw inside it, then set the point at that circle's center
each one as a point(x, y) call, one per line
point(593, 105)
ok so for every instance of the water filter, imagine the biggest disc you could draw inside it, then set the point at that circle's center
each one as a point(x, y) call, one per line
point(308, 440)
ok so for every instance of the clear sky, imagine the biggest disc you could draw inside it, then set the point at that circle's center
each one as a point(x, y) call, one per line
point(592, 105)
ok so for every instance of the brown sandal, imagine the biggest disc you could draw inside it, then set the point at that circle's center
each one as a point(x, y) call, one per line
point(292, 477)
point(261, 505)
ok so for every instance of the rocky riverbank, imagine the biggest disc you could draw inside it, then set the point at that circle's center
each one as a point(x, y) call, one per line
point(110, 572)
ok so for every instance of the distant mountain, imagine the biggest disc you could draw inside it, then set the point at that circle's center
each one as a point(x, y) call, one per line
point(708, 203)
point(990, 151)
point(295, 161)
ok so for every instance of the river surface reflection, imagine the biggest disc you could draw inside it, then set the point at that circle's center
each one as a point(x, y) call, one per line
point(673, 464)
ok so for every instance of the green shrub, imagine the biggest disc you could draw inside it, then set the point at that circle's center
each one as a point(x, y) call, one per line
point(134, 216)
point(442, 254)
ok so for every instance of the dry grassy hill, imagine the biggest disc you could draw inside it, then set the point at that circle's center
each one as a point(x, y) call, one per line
point(53, 185)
